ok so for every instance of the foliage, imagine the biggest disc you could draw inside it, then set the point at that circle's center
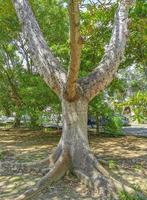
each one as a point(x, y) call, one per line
point(22, 92)
point(96, 26)
point(96, 30)
point(53, 21)
point(101, 109)
point(112, 164)
point(113, 126)
point(125, 196)
point(138, 104)
point(136, 52)
point(8, 22)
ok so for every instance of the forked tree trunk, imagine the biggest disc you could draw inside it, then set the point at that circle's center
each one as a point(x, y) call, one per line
point(73, 151)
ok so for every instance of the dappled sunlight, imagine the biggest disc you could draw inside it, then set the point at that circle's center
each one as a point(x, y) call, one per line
point(11, 186)
point(28, 145)
point(127, 158)
point(136, 178)
point(124, 147)
point(7, 141)
point(32, 148)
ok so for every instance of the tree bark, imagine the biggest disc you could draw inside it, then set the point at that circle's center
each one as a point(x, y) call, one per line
point(75, 49)
point(104, 73)
point(75, 135)
point(17, 121)
point(49, 67)
point(97, 124)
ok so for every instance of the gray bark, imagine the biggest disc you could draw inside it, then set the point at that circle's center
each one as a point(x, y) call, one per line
point(74, 122)
point(17, 121)
point(48, 66)
point(104, 73)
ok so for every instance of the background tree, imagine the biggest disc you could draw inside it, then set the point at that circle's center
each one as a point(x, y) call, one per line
point(23, 90)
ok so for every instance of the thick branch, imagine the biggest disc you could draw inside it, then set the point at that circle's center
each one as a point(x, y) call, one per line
point(75, 48)
point(48, 66)
point(104, 73)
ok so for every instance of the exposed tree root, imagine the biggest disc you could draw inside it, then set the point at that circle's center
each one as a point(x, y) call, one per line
point(49, 161)
point(59, 169)
point(100, 184)
point(87, 168)
point(102, 181)
point(57, 152)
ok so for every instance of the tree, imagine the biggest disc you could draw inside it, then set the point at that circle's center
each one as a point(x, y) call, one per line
point(22, 90)
point(8, 62)
point(73, 152)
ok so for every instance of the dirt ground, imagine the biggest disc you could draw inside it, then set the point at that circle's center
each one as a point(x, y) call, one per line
point(126, 157)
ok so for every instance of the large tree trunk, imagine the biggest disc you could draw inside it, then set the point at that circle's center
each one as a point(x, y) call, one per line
point(82, 162)
point(74, 136)
point(73, 154)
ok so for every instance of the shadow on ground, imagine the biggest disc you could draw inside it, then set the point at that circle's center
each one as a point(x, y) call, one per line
point(126, 158)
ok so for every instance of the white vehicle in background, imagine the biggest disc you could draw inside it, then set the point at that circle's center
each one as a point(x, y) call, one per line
point(25, 119)
point(52, 121)
point(5, 120)
point(10, 119)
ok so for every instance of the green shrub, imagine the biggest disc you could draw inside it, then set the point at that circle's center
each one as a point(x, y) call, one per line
point(113, 126)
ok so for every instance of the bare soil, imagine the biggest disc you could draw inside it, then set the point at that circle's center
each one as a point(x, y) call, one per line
point(126, 157)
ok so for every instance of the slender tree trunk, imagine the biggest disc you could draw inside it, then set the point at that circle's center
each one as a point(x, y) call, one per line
point(17, 121)
point(34, 125)
point(97, 124)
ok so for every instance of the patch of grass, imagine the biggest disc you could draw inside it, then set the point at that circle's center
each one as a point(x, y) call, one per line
point(112, 164)
point(2, 155)
point(137, 168)
point(17, 178)
point(136, 186)
point(66, 189)
point(125, 196)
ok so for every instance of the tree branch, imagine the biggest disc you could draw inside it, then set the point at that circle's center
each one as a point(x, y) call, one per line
point(48, 66)
point(102, 75)
point(75, 48)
